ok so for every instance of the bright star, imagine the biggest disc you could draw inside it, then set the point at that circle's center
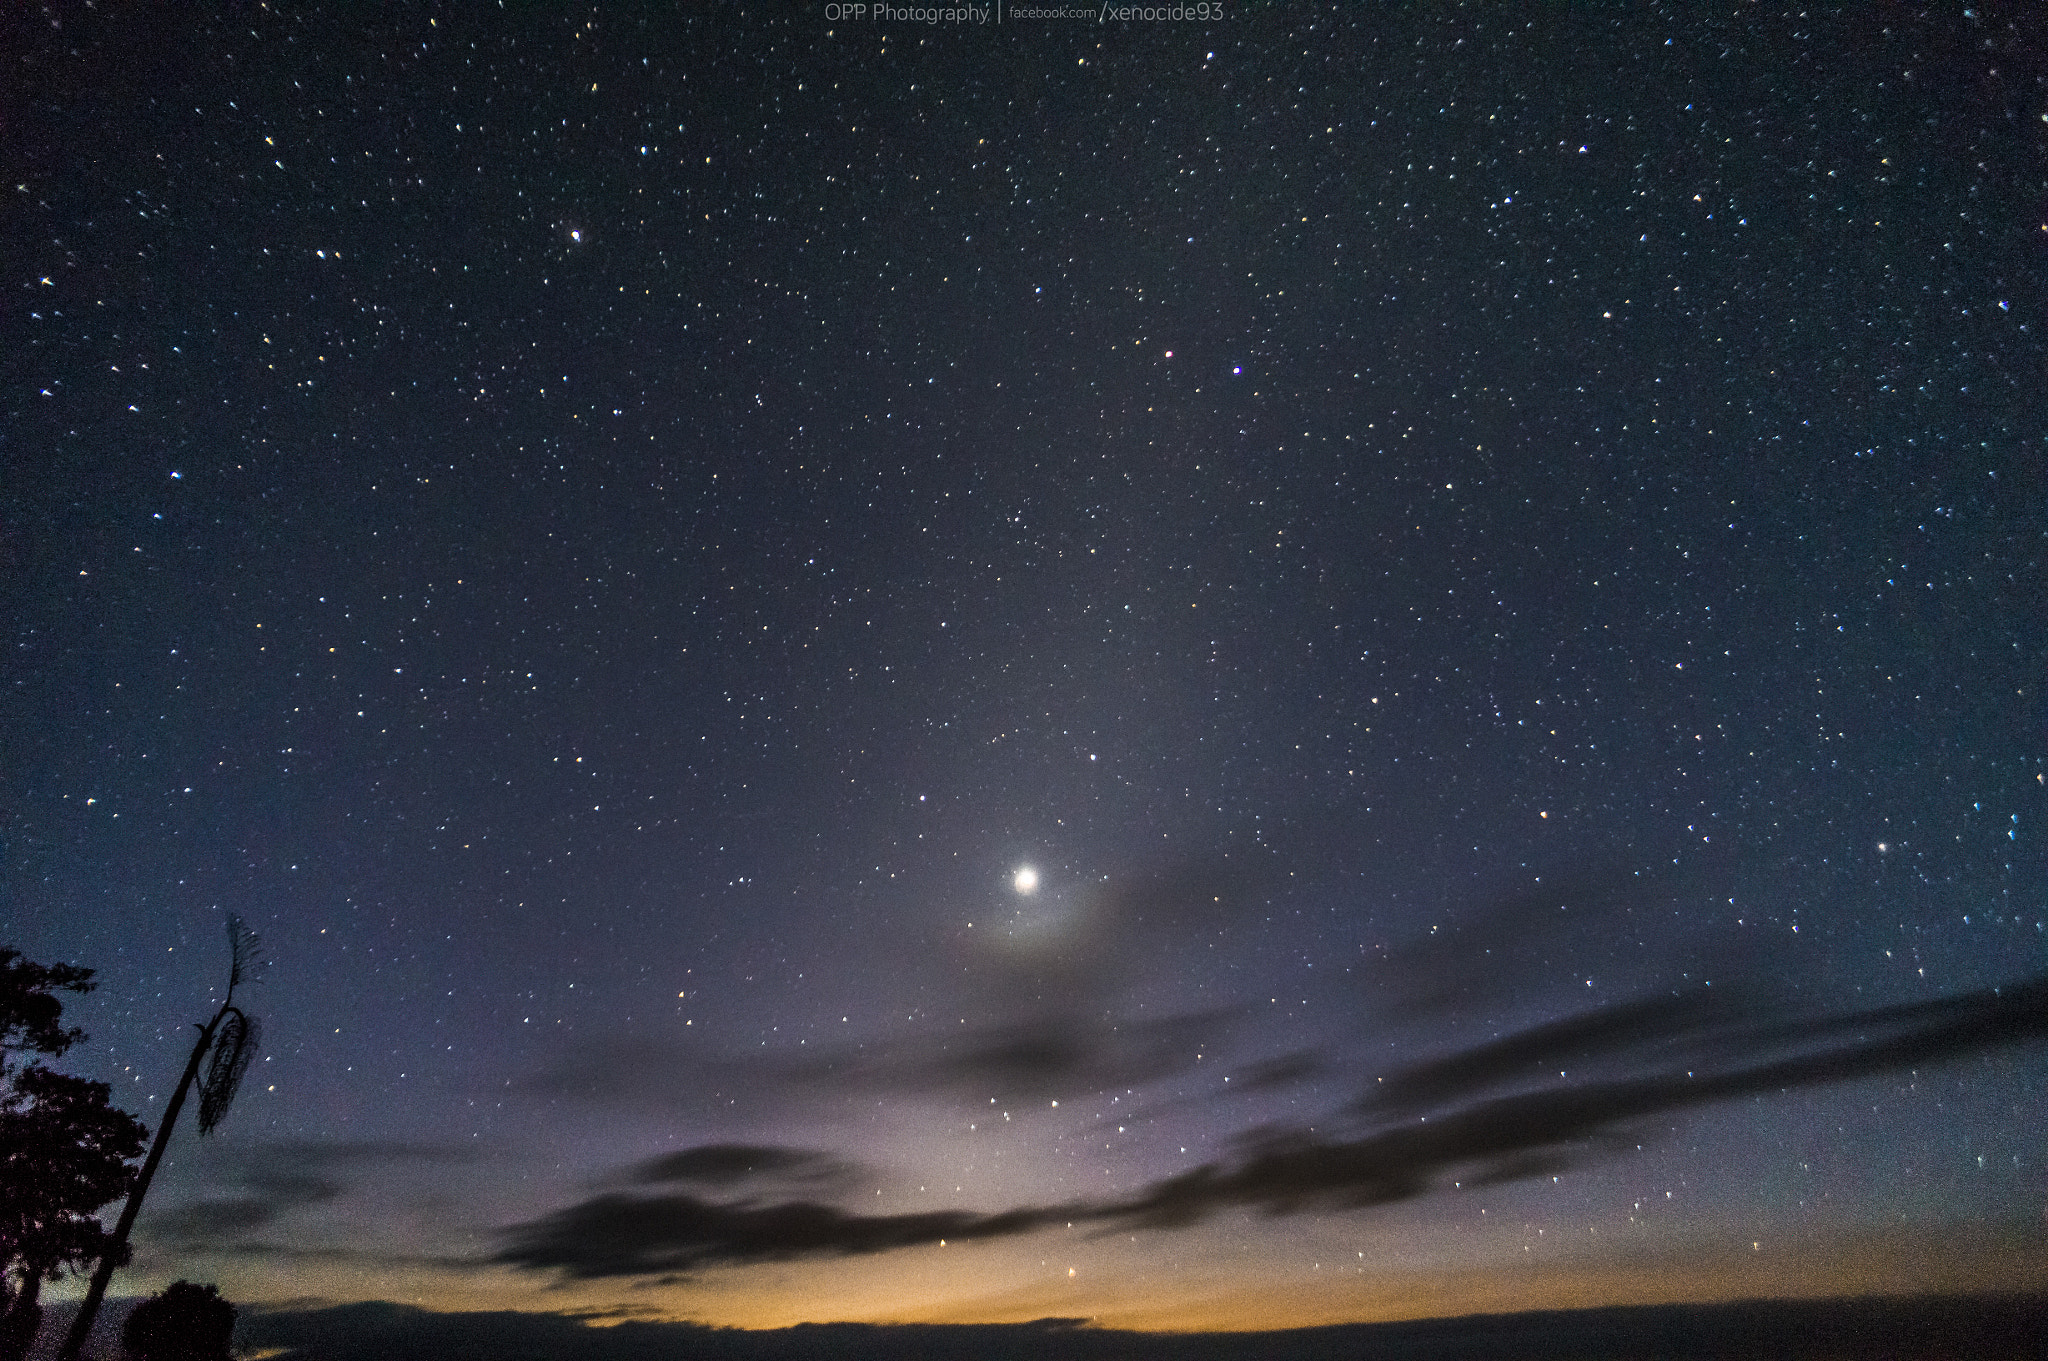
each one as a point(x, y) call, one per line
point(1026, 880)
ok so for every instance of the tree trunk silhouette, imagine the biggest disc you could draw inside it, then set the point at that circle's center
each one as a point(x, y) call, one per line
point(23, 1315)
point(237, 1034)
point(88, 1311)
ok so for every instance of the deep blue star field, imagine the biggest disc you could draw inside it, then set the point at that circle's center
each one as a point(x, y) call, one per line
point(1325, 663)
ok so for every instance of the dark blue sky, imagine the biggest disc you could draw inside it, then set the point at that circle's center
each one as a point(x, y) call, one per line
point(1459, 547)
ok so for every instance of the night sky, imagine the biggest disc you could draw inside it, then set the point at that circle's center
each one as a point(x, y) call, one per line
point(1326, 664)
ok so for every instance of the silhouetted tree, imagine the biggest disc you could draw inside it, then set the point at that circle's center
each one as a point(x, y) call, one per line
point(31, 1015)
point(232, 1038)
point(64, 1149)
point(187, 1322)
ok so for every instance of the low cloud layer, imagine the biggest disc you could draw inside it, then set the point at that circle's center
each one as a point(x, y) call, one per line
point(1508, 1109)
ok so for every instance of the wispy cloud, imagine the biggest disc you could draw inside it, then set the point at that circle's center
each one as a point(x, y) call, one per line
point(267, 1182)
point(1012, 1060)
point(613, 1235)
point(1503, 1110)
point(733, 1165)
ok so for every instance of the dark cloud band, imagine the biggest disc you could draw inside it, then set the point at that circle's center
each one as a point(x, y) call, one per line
point(1658, 1056)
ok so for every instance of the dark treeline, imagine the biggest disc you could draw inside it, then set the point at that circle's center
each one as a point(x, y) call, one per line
point(1979, 1328)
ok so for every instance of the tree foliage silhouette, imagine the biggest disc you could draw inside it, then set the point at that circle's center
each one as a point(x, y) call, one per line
point(31, 1014)
point(64, 1148)
point(186, 1322)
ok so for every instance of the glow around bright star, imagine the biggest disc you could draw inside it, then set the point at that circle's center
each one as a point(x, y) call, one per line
point(1026, 880)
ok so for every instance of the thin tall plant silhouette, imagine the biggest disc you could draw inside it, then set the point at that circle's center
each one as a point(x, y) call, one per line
point(231, 1036)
